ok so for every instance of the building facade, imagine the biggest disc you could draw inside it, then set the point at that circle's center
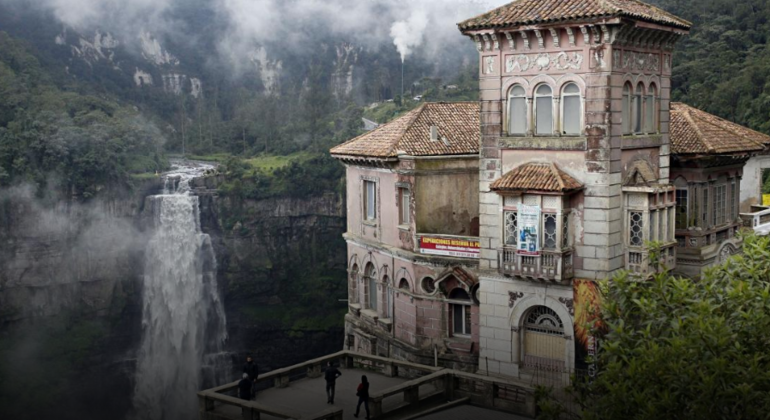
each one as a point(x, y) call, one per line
point(583, 167)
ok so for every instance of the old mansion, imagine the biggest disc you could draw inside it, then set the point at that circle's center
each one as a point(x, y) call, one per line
point(477, 231)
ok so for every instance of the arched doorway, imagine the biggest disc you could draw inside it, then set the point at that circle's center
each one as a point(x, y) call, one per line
point(543, 345)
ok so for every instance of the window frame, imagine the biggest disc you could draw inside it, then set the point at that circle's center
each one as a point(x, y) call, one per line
point(651, 110)
point(638, 109)
point(719, 215)
point(510, 118)
point(626, 111)
point(562, 112)
point(679, 194)
point(370, 207)
point(404, 208)
point(537, 96)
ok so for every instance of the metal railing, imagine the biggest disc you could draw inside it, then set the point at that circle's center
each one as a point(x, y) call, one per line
point(430, 382)
point(549, 265)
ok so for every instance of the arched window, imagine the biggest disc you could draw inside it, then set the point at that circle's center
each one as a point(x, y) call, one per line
point(638, 108)
point(543, 343)
point(354, 284)
point(627, 109)
point(650, 112)
point(570, 110)
point(388, 295)
point(544, 110)
point(370, 277)
point(403, 284)
point(461, 312)
point(517, 111)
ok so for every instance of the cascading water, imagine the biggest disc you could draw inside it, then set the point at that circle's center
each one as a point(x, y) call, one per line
point(183, 319)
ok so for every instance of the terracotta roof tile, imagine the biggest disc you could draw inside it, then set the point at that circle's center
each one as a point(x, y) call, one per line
point(459, 132)
point(697, 132)
point(536, 176)
point(528, 12)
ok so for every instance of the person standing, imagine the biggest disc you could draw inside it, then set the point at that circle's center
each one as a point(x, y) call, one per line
point(250, 368)
point(363, 396)
point(244, 387)
point(331, 375)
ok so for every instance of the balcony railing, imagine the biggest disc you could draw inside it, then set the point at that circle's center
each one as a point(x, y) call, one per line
point(549, 265)
point(758, 220)
point(638, 259)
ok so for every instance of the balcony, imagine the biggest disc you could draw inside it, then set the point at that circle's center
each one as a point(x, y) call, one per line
point(549, 265)
point(758, 220)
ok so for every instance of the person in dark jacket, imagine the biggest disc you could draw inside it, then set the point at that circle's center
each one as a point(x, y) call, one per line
point(250, 368)
point(244, 387)
point(363, 396)
point(331, 379)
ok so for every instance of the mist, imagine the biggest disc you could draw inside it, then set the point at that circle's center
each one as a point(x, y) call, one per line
point(295, 25)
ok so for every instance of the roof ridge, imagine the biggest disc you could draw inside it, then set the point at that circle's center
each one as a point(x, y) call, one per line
point(697, 130)
point(393, 151)
point(555, 172)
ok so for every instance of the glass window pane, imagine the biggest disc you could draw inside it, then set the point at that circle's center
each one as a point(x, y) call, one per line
point(571, 88)
point(650, 114)
point(370, 200)
point(467, 311)
point(626, 113)
point(372, 294)
point(637, 113)
point(517, 91)
point(544, 116)
point(571, 115)
point(517, 119)
point(457, 318)
point(544, 90)
point(549, 222)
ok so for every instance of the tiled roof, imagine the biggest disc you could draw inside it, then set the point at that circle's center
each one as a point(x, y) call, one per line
point(697, 132)
point(528, 12)
point(459, 132)
point(536, 176)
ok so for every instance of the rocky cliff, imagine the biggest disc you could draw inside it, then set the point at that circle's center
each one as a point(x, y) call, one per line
point(281, 265)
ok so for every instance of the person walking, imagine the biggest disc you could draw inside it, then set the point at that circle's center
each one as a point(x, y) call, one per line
point(250, 368)
point(363, 396)
point(244, 387)
point(331, 375)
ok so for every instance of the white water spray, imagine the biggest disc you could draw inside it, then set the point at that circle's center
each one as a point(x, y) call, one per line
point(183, 319)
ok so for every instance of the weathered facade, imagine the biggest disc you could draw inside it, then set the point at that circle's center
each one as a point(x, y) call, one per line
point(584, 167)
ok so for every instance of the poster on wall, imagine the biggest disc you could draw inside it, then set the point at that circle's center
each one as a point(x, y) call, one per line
point(529, 224)
point(586, 303)
point(451, 247)
point(766, 199)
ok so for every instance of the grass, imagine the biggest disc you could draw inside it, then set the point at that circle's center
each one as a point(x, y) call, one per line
point(144, 176)
point(270, 163)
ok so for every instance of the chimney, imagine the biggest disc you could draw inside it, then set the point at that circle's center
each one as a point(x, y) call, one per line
point(433, 133)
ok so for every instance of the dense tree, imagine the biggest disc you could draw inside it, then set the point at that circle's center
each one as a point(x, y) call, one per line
point(676, 348)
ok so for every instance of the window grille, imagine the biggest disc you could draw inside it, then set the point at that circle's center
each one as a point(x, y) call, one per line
point(681, 209)
point(370, 202)
point(720, 204)
point(544, 320)
point(636, 226)
point(565, 231)
point(549, 229)
point(511, 225)
point(517, 111)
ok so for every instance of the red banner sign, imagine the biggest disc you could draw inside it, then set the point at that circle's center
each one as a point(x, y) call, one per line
point(451, 247)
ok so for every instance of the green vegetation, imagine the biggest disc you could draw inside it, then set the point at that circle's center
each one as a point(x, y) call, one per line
point(70, 142)
point(676, 348)
point(723, 66)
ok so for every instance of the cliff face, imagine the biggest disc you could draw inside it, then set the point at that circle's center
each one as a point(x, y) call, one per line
point(70, 303)
point(281, 265)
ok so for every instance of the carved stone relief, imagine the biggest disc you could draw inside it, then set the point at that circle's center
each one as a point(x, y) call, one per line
point(489, 65)
point(569, 304)
point(544, 61)
point(640, 61)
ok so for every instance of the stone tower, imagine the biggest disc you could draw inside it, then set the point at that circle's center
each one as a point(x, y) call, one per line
point(573, 169)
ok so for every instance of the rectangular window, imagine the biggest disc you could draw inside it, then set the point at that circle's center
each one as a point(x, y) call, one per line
point(404, 200)
point(370, 200)
point(635, 227)
point(461, 317)
point(681, 209)
point(705, 206)
point(517, 122)
point(650, 114)
point(511, 227)
point(653, 225)
point(544, 116)
point(571, 115)
point(720, 204)
point(733, 205)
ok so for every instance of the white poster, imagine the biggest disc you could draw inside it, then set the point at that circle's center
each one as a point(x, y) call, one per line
point(529, 224)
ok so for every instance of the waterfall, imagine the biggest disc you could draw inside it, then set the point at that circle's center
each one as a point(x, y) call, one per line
point(183, 321)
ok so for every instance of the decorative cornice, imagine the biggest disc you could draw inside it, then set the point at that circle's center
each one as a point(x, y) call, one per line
point(511, 40)
point(526, 39)
point(487, 44)
point(494, 39)
point(597, 35)
point(540, 41)
point(584, 30)
point(571, 35)
point(555, 36)
point(477, 40)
